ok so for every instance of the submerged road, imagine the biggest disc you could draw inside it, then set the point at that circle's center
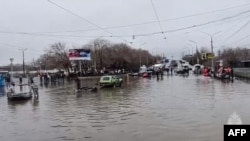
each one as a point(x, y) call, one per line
point(176, 108)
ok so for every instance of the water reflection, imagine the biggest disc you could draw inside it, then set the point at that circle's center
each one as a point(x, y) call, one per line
point(35, 101)
point(143, 109)
point(13, 105)
point(2, 92)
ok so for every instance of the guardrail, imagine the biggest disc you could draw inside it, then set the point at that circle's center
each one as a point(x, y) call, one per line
point(242, 73)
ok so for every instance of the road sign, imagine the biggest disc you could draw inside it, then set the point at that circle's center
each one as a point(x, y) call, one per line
point(210, 55)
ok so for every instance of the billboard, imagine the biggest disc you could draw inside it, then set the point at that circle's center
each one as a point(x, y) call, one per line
point(79, 54)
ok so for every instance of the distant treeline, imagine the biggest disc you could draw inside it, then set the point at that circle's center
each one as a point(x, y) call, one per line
point(229, 55)
point(104, 54)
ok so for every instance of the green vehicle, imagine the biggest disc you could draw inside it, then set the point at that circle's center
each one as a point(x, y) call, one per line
point(110, 81)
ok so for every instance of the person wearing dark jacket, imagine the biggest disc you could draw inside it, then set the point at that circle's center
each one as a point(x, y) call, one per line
point(78, 83)
point(232, 73)
point(20, 79)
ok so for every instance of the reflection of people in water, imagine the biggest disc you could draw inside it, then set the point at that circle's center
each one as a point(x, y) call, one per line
point(78, 83)
point(21, 87)
point(7, 79)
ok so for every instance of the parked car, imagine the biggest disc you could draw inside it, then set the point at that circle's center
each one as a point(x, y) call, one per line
point(110, 81)
point(197, 69)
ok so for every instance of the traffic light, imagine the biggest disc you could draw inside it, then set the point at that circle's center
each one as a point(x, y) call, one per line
point(204, 56)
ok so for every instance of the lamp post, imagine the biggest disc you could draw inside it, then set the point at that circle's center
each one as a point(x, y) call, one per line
point(212, 47)
point(186, 51)
point(23, 49)
point(40, 63)
point(11, 65)
point(197, 57)
point(192, 47)
point(140, 51)
point(192, 55)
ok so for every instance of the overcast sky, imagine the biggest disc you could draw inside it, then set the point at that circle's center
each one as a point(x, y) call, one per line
point(36, 24)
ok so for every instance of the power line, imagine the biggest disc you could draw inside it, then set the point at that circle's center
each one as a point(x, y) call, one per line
point(243, 26)
point(142, 34)
point(152, 22)
point(190, 27)
point(72, 13)
point(55, 35)
point(228, 29)
point(194, 26)
point(242, 38)
point(158, 20)
point(33, 50)
point(227, 21)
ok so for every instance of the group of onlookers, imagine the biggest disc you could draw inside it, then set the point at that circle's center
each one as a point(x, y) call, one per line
point(220, 71)
point(51, 77)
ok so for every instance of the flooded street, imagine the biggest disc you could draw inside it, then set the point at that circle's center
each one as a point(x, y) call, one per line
point(176, 108)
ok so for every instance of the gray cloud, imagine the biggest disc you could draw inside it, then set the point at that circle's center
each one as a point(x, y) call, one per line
point(35, 17)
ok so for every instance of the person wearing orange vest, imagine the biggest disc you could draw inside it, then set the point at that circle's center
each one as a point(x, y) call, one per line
point(229, 70)
point(205, 71)
point(220, 70)
point(231, 73)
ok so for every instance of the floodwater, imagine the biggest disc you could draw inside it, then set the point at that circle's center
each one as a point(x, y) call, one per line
point(176, 108)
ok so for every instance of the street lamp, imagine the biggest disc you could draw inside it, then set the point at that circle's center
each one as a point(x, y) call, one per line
point(186, 50)
point(40, 63)
point(197, 57)
point(191, 47)
point(23, 49)
point(212, 47)
point(11, 64)
point(140, 51)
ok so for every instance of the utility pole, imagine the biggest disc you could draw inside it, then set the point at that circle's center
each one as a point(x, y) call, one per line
point(141, 51)
point(212, 51)
point(147, 60)
point(198, 60)
point(212, 47)
point(40, 63)
point(140, 57)
point(11, 65)
point(23, 49)
point(193, 52)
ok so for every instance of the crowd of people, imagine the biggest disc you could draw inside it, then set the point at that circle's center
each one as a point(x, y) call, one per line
point(51, 77)
point(221, 72)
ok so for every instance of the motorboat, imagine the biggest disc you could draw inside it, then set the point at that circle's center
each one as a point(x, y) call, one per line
point(22, 91)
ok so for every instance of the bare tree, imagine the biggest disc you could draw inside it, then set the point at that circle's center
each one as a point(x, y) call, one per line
point(103, 54)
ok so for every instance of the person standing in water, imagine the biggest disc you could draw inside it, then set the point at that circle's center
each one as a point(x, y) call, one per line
point(171, 70)
point(20, 79)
